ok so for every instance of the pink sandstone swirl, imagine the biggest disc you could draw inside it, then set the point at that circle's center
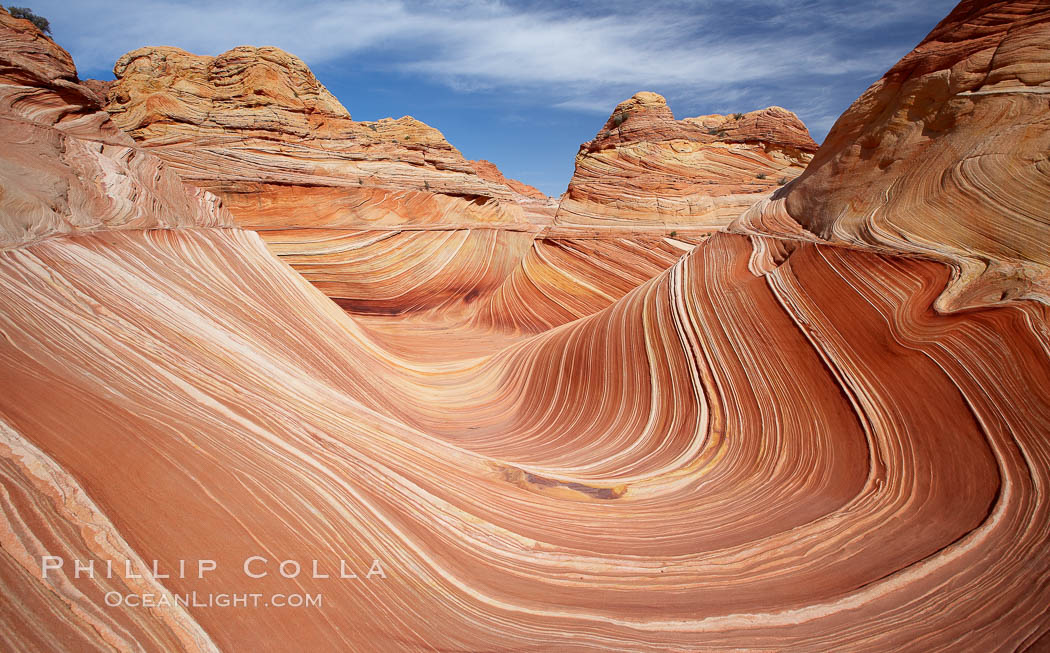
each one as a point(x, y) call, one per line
point(774, 444)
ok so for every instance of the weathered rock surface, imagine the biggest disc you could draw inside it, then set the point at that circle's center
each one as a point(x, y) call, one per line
point(948, 156)
point(384, 217)
point(255, 126)
point(646, 170)
point(66, 169)
point(775, 444)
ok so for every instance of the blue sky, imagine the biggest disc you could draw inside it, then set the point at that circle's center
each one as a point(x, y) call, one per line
point(523, 83)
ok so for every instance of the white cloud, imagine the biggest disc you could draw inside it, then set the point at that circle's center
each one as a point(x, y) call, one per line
point(470, 44)
point(582, 56)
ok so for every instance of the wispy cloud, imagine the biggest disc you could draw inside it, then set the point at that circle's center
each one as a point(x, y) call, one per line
point(585, 55)
point(483, 41)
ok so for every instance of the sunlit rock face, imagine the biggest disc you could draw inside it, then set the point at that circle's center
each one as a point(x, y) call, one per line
point(777, 443)
point(645, 169)
point(645, 190)
point(66, 169)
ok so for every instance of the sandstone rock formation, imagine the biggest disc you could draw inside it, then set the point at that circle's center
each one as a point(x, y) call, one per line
point(775, 444)
point(67, 168)
point(256, 128)
point(332, 195)
point(488, 171)
point(918, 164)
point(645, 190)
point(645, 169)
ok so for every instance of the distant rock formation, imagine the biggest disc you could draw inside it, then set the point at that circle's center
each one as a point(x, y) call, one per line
point(255, 126)
point(645, 191)
point(646, 170)
point(488, 170)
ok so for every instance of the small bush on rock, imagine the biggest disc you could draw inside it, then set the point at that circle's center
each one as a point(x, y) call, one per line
point(41, 23)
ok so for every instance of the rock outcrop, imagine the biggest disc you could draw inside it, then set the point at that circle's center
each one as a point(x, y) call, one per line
point(777, 443)
point(66, 169)
point(644, 192)
point(646, 170)
point(946, 156)
point(384, 217)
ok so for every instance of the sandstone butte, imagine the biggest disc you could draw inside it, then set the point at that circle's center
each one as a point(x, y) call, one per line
point(822, 428)
point(646, 169)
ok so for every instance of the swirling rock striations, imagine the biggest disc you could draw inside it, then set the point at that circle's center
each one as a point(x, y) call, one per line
point(775, 444)
point(66, 169)
point(644, 191)
point(948, 156)
point(563, 279)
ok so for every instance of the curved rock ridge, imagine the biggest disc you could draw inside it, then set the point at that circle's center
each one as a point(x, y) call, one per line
point(646, 170)
point(563, 279)
point(948, 155)
point(773, 444)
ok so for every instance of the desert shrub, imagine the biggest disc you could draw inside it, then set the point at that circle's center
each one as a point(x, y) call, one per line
point(673, 234)
point(41, 23)
point(621, 118)
point(782, 181)
point(738, 116)
point(760, 175)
